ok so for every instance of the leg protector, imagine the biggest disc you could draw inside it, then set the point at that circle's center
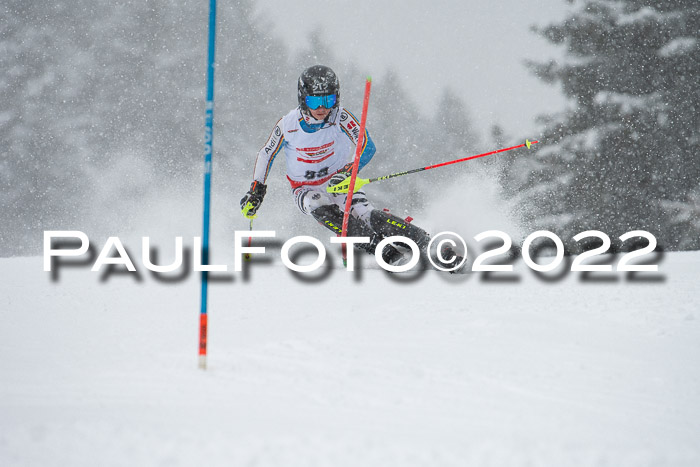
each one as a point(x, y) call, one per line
point(331, 217)
point(387, 224)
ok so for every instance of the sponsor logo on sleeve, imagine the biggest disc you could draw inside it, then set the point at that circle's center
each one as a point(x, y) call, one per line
point(274, 140)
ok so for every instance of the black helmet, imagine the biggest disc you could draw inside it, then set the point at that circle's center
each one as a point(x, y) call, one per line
point(318, 80)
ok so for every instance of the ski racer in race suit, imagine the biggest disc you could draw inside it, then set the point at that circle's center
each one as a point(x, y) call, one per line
point(319, 139)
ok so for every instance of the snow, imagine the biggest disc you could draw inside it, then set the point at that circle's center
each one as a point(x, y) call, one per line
point(643, 14)
point(370, 370)
point(587, 140)
point(628, 103)
point(679, 46)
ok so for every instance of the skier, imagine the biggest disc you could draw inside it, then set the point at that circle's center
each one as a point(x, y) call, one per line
point(318, 138)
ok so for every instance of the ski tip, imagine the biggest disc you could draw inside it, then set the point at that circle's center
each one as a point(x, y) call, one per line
point(369, 79)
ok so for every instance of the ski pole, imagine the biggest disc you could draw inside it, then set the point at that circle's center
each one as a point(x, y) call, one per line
point(343, 187)
point(246, 256)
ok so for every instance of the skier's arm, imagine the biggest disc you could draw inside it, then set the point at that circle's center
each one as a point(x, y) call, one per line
point(351, 127)
point(267, 154)
point(367, 151)
point(251, 202)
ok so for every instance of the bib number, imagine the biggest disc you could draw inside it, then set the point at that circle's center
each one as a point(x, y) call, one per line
point(310, 174)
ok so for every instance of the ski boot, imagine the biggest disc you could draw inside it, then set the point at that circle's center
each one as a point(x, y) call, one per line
point(451, 259)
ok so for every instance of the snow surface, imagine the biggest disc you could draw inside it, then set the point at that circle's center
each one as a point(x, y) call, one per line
point(368, 370)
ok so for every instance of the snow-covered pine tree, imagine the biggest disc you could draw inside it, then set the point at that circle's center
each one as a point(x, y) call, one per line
point(102, 108)
point(625, 154)
point(454, 136)
point(403, 136)
point(44, 120)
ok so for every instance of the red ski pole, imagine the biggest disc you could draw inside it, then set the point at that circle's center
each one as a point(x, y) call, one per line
point(246, 256)
point(345, 187)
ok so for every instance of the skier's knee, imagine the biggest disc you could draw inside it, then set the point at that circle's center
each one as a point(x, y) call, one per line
point(309, 200)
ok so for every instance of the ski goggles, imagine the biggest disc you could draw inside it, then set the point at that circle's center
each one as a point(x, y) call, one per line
point(314, 102)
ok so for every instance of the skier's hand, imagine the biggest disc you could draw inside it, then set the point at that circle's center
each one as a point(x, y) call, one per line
point(338, 177)
point(343, 173)
point(252, 200)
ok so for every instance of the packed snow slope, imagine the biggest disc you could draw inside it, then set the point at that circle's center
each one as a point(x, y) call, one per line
point(351, 370)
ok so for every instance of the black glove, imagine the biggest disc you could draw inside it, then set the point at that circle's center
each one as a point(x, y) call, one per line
point(338, 177)
point(252, 200)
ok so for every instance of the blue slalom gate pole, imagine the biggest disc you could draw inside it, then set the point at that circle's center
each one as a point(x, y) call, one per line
point(208, 150)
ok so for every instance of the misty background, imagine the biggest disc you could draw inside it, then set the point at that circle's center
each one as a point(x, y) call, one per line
point(102, 115)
